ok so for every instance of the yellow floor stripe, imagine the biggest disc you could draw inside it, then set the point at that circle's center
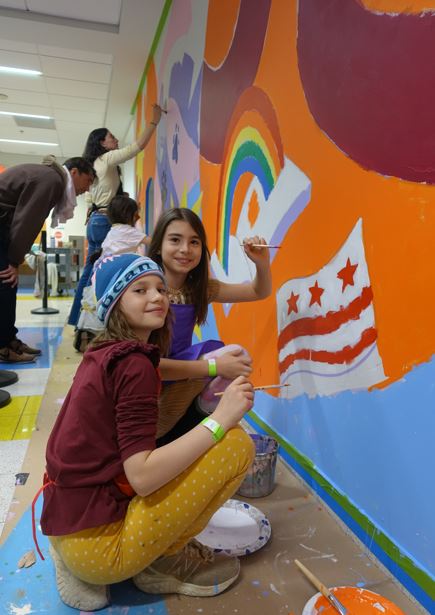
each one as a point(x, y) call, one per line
point(32, 298)
point(17, 419)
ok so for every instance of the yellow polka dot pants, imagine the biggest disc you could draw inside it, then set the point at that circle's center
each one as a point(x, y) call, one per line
point(162, 522)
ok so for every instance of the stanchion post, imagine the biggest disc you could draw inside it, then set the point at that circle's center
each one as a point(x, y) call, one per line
point(45, 309)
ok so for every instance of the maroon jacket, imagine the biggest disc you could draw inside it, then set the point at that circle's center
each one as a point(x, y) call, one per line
point(28, 192)
point(109, 414)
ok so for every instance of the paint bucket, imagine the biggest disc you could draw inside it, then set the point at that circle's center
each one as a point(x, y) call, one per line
point(357, 600)
point(260, 479)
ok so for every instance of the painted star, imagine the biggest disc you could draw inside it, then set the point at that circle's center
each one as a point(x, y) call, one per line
point(316, 293)
point(293, 303)
point(346, 274)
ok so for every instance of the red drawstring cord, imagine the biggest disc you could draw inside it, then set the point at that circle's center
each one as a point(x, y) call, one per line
point(47, 482)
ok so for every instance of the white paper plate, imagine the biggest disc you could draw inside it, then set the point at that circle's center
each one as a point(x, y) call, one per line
point(236, 528)
point(380, 604)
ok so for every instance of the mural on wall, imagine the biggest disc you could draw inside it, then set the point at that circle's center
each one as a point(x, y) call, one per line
point(293, 121)
point(178, 62)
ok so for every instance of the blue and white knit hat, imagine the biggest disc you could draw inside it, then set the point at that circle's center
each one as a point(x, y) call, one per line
point(113, 276)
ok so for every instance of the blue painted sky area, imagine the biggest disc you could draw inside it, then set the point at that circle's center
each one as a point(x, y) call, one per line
point(375, 447)
point(36, 586)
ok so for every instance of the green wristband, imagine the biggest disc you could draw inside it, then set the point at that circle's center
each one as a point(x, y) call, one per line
point(212, 368)
point(217, 431)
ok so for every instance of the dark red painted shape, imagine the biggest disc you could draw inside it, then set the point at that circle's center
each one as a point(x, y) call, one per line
point(368, 80)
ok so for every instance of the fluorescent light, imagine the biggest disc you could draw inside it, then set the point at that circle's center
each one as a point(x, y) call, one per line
point(28, 142)
point(20, 71)
point(37, 117)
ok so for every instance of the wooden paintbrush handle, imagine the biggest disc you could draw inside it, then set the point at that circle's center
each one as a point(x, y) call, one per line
point(314, 580)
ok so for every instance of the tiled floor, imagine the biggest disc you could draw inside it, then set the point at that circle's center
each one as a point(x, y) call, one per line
point(17, 419)
point(302, 527)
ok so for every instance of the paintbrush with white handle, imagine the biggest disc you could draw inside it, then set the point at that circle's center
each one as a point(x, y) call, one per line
point(259, 245)
point(325, 591)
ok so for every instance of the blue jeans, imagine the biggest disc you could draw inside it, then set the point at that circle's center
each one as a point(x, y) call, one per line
point(96, 231)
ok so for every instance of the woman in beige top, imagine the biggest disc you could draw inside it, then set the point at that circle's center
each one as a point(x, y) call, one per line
point(103, 153)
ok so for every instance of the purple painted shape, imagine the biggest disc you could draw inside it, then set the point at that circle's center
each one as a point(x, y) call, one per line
point(290, 217)
point(222, 88)
point(367, 80)
point(179, 90)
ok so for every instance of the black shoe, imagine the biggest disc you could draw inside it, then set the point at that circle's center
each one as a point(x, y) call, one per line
point(5, 398)
point(7, 378)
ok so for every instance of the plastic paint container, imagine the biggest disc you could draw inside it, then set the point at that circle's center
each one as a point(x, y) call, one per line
point(260, 479)
point(358, 601)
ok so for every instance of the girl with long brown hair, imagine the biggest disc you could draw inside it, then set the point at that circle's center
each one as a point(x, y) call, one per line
point(179, 245)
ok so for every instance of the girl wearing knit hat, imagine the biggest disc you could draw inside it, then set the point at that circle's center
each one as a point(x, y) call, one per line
point(115, 506)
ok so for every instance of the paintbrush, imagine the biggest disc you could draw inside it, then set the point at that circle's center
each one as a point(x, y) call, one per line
point(259, 245)
point(262, 388)
point(325, 591)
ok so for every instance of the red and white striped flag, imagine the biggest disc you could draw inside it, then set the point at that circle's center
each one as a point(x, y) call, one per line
point(327, 340)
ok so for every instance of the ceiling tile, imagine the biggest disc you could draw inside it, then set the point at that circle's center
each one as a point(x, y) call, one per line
point(23, 149)
point(24, 97)
point(9, 45)
point(13, 4)
point(10, 130)
point(82, 89)
point(85, 10)
point(18, 82)
point(75, 69)
point(77, 103)
point(81, 117)
point(73, 54)
point(18, 59)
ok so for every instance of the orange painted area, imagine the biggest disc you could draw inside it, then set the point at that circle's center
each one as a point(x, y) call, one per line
point(221, 22)
point(398, 216)
point(239, 195)
point(399, 6)
point(358, 602)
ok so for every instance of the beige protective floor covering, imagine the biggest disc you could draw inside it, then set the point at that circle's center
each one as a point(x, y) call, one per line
point(302, 528)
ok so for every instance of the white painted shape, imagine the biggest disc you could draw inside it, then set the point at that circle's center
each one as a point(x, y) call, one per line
point(320, 379)
point(332, 298)
point(26, 609)
point(291, 185)
point(191, 44)
point(348, 334)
